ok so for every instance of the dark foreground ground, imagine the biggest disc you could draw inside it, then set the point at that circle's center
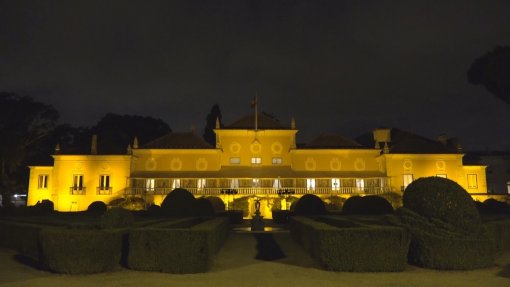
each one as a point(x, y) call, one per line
point(257, 260)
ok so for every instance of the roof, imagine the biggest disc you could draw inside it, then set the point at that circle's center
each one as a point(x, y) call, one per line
point(404, 142)
point(256, 172)
point(265, 121)
point(178, 141)
point(332, 141)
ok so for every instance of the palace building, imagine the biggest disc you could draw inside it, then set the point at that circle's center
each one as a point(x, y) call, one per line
point(251, 160)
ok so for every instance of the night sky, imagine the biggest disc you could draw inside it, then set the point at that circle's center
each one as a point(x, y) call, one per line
point(336, 66)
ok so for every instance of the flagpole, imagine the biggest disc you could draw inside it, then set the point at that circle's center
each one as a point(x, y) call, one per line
point(256, 111)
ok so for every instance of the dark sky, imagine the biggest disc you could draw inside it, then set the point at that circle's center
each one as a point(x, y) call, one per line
point(337, 66)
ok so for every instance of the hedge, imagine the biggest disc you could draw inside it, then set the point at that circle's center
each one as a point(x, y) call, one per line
point(440, 245)
point(355, 248)
point(81, 251)
point(22, 237)
point(500, 231)
point(179, 250)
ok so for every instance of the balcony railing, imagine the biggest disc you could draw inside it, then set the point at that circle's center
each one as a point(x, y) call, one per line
point(77, 190)
point(260, 190)
point(103, 190)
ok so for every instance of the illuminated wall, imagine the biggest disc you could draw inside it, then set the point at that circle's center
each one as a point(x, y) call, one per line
point(75, 181)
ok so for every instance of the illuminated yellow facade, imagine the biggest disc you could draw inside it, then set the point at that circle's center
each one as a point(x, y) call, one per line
point(258, 162)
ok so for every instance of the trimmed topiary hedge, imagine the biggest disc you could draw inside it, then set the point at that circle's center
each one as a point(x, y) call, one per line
point(22, 237)
point(217, 203)
point(180, 250)
point(308, 204)
point(179, 202)
point(351, 246)
point(440, 245)
point(116, 217)
point(500, 231)
point(81, 251)
point(443, 199)
point(97, 208)
point(370, 204)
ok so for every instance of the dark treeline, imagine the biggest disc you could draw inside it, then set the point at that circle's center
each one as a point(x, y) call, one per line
point(30, 131)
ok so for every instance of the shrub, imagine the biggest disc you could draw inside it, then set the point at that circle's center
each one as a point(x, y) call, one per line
point(154, 210)
point(22, 237)
point(440, 245)
point(154, 249)
point(204, 207)
point(179, 202)
point(367, 205)
point(352, 205)
point(334, 203)
point(443, 199)
point(347, 246)
point(81, 251)
point(242, 204)
point(234, 216)
point(133, 203)
point(45, 206)
point(493, 206)
point(280, 216)
point(309, 204)
point(116, 218)
point(500, 231)
point(117, 202)
point(395, 199)
point(217, 203)
point(97, 208)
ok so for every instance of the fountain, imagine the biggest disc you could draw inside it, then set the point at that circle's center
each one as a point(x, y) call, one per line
point(257, 224)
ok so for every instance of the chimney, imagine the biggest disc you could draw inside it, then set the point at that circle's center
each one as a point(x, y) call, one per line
point(93, 145)
point(382, 136)
point(292, 123)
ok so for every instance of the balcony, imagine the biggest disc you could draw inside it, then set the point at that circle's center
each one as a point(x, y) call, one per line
point(104, 190)
point(209, 191)
point(77, 190)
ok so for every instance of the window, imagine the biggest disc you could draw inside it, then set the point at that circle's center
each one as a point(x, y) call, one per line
point(42, 183)
point(335, 184)
point(508, 186)
point(78, 181)
point(149, 184)
point(360, 183)
point(234, 183)
point(104, 182)
point(407, 179)
point(277, 183)
point(441, 175)
point(256, 160)
point(200, 183)
point(310, 183)
point(176, 183)
point(255, 182)
point(472, 181)
point(235, 160)
point(277, 160)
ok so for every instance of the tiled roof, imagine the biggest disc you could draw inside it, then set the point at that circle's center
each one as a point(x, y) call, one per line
point(332, 141)
point(405, 142)
point(178, 141)
point(264, 122)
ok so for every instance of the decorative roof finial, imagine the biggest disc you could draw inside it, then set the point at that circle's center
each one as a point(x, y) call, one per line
point(293, 123)
point(57, 148)
point(129, 150)
point(93, 145)
point(135, 142)
point(218, 124)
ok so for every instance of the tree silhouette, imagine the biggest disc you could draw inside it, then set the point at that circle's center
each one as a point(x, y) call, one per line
point(23, 124)
point(492, 71)
point(210, 124)
point(115, 132)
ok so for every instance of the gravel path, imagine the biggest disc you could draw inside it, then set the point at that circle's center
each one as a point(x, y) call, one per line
point(245, 260)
